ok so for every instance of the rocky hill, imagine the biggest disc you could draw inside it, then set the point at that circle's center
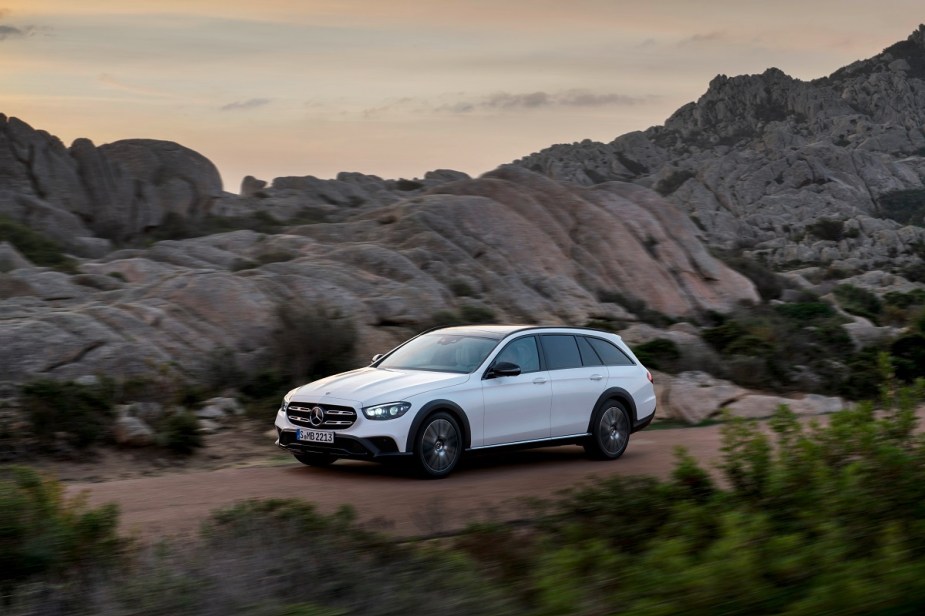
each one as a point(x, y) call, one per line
point(826, 173)
point(390, 257)
point(129, 260)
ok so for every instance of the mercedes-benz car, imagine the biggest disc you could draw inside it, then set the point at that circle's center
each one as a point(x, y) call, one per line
point(455, 390)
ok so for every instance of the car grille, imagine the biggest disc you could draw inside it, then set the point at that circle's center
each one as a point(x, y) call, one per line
point(335, 417)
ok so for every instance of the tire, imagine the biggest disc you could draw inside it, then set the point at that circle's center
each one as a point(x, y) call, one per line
point(610, 431)
point(315, 459)
point(438, 446)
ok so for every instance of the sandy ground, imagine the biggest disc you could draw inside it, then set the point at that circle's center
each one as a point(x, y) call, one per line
point(158, 501)
point(157, 498)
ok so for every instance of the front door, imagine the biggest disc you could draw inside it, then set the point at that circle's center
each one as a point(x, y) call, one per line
point(517, 407)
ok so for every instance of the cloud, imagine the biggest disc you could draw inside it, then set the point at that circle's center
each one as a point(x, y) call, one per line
point(8, 32)
point(114, 82)
point(251, 103)
point(507, 101)
point(703, 39)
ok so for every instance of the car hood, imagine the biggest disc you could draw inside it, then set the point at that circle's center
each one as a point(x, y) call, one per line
point(375, 385)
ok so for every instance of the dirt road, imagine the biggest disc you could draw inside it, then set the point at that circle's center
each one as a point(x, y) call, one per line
point(387, 498)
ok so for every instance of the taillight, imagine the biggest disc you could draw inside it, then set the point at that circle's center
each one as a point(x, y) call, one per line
point(649, 376)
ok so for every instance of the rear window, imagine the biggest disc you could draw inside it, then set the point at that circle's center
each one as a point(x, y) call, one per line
point(610, 354)
point(561, 352)
point(588, 355)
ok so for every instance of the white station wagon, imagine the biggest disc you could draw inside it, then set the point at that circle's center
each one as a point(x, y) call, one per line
point(459, 389)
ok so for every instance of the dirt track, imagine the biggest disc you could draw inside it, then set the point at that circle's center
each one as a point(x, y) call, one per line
point(387, 497)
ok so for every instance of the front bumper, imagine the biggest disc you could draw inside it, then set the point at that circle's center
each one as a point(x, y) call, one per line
point(344, 446)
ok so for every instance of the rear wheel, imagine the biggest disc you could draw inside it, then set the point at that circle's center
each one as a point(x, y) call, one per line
point(610, 431)
point(315, 459)
point(438, 445)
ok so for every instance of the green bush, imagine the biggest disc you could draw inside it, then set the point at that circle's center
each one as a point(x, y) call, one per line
point(860, 302)
point(81, 413)
point(659, 354)
point(826, 229)
point(768, 284)
point(785, 346)
point(179, 432)
point(311, 341)
point(906, 207)
point(43, 533)
point(34, 246)
point(812, 519)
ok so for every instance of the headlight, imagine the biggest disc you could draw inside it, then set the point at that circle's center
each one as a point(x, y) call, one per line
point(285, 405)
point(387, 411)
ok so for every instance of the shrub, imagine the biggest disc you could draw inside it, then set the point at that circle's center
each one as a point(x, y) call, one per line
point(43, 533)
point(82, 413)
point(179, 432)
point(908, 354)
point(859, 301)
point(674, 181)
point(659, 354)
point(906, 207)
point(826, 229)
point(34, 246)
point(768, 284)
point(311, 340)
point(468, 314)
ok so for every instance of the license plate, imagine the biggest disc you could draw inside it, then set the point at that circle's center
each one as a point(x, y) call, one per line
point(314, 436)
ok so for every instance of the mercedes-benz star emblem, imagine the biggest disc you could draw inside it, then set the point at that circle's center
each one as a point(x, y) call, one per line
point(317, 416)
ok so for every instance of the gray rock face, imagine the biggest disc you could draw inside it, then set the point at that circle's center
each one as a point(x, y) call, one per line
point(115, 191)
point(525, 247)
point(759, 160)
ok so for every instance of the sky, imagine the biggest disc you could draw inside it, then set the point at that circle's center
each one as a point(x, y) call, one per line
point(399, 87)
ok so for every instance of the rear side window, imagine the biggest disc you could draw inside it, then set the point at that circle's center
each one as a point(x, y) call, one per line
point(610, 354)
point(588, 355)
point(561, 352)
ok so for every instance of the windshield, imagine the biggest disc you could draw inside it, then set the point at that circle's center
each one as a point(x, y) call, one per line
point(441, 353)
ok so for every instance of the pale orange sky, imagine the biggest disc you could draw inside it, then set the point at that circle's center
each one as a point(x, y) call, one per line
point(399, 87)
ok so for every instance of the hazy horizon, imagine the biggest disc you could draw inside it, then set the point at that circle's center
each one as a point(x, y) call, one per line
point(397, 89)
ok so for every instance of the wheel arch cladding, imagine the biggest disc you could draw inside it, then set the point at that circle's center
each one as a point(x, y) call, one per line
point(619, 394)
point(436, 406)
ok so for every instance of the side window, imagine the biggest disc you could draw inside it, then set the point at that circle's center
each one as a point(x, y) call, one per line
point(611, 355)
point(522, 352)
point(588, 355)
point(561, 352)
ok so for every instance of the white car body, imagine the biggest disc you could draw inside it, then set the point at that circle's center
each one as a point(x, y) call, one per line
point(544, 404)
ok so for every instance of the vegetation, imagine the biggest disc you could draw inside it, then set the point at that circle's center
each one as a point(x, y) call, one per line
point(179, 432)
point(860, 302)
point(804, 518)
point(68, 415)
point(467, 314)
point(44, 534)
point(768, 284)
point(674, 181)
point(830, 230)
point(906, 207)
point(659, 354)
point(34, 246)
point(311, 340)
point(799, 345)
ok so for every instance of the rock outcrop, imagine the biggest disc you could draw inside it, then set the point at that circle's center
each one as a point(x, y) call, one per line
point(511, 243)
point(117, 191)
point(798, 173)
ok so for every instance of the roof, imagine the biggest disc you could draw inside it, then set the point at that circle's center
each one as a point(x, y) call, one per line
point(501, 331)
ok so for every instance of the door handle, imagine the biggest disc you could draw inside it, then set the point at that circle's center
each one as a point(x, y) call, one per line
point(539, 380)
point(596, 377)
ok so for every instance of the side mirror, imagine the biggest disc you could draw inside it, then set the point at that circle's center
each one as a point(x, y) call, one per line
point(377, 357)
point(502, 368)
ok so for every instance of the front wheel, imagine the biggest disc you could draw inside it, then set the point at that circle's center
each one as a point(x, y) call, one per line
point(315, 459)
point(438, 446)
point(610, 432)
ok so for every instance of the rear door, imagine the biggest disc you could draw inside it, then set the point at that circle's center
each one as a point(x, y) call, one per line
point(578, 378)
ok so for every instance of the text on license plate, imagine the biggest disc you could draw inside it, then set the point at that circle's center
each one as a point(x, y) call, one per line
point(314, 436)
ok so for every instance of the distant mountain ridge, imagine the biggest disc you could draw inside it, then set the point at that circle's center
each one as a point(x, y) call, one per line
point(801, 173)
